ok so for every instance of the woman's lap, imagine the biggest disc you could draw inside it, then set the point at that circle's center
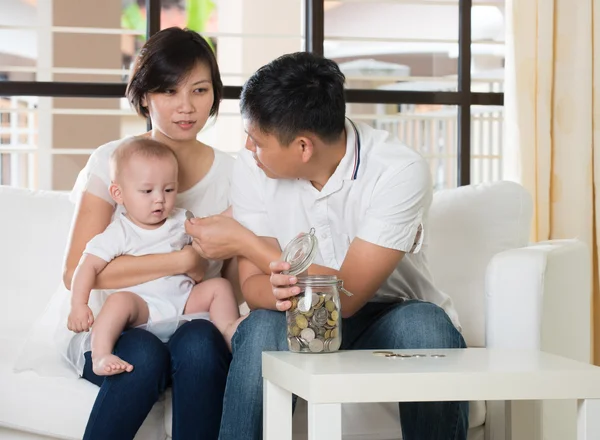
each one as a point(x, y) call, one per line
point(196, 358)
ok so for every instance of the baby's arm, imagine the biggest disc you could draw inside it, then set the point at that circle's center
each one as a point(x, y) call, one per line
point(81, 317)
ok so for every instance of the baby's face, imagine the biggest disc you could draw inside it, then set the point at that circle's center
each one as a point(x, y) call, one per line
point(149, 189)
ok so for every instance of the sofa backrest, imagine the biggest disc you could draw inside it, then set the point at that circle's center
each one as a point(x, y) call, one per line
point(467, 227)
point(34, 227)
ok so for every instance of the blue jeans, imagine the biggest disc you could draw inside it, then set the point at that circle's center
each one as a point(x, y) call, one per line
point(409, 324)
point(194, 362)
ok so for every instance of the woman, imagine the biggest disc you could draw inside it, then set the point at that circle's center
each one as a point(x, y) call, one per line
point(176, 83)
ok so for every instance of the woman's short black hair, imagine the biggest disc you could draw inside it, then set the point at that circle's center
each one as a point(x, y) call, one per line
point(294, 94)
point(166, 58)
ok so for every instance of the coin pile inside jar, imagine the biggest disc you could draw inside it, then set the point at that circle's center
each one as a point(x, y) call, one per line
point(313, 323)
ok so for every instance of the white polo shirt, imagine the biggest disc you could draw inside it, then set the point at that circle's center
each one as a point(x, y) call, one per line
point(380, 192)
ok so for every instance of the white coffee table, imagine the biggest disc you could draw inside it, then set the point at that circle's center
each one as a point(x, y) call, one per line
point(326, 381)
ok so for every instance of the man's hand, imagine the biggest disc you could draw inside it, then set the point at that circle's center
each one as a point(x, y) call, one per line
point(283, 285)
point(218, 237)
point(80, 319)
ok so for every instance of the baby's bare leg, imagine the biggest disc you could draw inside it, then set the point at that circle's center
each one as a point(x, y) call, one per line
point(216, 297)
point(120, 311)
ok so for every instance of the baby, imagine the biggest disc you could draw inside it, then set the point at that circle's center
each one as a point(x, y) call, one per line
point(144, 180)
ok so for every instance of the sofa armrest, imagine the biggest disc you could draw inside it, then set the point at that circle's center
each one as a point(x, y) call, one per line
point(538, 297)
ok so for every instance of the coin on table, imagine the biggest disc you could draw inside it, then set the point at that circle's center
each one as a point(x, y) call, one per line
point(382, 353)
point(307, 334)
point(316, 346)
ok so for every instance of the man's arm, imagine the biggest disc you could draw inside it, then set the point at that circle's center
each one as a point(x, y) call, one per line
point(256, 288)
point(363, 271)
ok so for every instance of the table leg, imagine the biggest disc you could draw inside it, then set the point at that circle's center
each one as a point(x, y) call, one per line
point(277, 412)
point(324, 421)
point(588, 419)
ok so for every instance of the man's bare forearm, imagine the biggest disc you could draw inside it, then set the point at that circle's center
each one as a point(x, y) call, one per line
point(258, 293)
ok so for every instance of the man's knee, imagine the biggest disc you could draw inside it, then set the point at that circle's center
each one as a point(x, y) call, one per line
point(262, 330)
point(424, 325)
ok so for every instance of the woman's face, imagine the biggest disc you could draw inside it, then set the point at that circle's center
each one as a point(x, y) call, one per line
point(181, 112)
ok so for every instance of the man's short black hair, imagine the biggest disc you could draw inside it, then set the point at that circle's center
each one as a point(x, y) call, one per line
point(295, 94)
point(166, 58)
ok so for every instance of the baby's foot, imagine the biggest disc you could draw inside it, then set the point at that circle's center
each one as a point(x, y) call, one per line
point(110, 364)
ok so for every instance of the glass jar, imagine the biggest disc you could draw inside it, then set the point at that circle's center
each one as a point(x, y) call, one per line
point(314, 322)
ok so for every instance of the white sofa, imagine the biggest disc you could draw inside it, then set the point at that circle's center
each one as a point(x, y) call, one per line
point(508, 294)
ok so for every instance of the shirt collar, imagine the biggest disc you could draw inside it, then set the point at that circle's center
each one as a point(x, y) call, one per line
point(349, 166)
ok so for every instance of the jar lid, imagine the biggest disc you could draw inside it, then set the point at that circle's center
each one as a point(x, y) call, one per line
point(300, 253)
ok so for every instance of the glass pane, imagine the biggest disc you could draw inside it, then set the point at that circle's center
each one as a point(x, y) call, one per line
point(65, 168)
point(488, 30)
point(487, 161)
point(226, 133)
point(432, 130)
point(395, 46)
point(17, 169)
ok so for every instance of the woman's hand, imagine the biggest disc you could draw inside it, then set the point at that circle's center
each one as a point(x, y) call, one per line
point(218, 237)
point(282, 285)
point(193, 265)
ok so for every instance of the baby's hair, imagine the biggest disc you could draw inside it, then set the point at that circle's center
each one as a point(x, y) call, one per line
point(147, 148)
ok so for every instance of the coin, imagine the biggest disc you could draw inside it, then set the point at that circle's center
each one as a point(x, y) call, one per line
point(294, 344)
point(315, 300)
point(334, 344)
point(295, 330)
point(330, 306)
point(316, 345)
point(335, 315)
point(301, 321)
point(304, 304)
point(307, 334)
point(382, 353)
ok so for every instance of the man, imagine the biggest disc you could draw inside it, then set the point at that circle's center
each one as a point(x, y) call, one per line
point(367, 196)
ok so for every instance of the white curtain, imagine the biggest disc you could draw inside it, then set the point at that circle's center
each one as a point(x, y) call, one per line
point(552, 110)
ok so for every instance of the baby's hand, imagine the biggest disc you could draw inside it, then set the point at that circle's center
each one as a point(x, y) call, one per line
point(80, 319)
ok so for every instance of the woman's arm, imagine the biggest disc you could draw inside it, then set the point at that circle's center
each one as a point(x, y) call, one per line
point(92, 217)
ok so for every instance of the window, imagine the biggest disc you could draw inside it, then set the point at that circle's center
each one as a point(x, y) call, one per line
point(411, 68)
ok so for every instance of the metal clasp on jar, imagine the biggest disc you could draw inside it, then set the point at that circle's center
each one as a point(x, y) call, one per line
point(340, 287)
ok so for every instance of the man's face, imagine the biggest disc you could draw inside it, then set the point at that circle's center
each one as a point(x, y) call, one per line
point(275, 160)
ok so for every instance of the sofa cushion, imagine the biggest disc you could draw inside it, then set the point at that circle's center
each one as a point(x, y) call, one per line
point(54, 406)
point(31, 257)
point(467, 227)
